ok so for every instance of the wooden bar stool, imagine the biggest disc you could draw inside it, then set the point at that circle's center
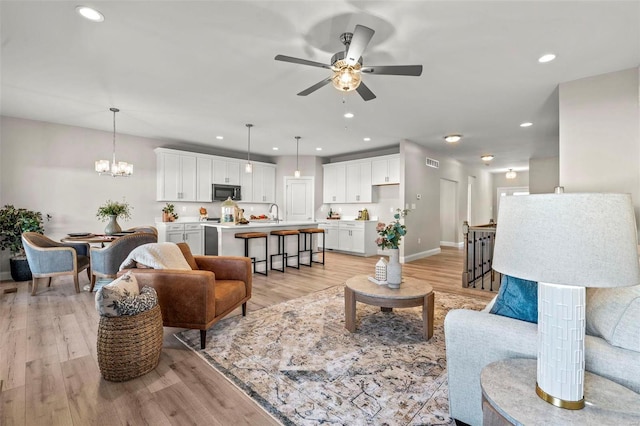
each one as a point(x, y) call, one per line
point(282, 234)
point(309, 232)
point(246, 236)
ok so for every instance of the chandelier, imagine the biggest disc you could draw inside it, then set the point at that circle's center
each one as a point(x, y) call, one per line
point(115, 168)
point(511, 174)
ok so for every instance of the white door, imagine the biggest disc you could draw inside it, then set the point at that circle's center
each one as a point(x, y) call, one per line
point(298, 198)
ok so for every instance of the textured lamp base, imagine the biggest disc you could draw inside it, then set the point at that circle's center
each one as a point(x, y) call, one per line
point(569, 405)
point(561, 329)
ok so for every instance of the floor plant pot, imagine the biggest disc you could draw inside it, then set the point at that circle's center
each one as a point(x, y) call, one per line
point(394, 269)
point(112, 227)
point(20, 270)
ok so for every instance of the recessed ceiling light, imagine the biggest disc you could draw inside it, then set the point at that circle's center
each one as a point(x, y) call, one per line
point(275, 148)
point(366, 139)
point(219, 137)
point(546, 58)
point(90, 14)
point(526, 124)
point(487, 157)
point(348, 115)
point(453, 138)
point(318, 149)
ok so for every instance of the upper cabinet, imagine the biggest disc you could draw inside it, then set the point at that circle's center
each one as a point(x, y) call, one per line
point(358, 185)
point(204, 169)
point(176, 176)
point(334, 179)
point(260, 185)
point(226, 171)
point(385, 170)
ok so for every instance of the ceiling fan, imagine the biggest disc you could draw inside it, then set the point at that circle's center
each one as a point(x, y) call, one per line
point(347, 65)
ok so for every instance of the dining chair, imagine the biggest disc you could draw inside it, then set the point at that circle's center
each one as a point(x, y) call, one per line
point(106, 261)
point(48, 258)
point(147, 229)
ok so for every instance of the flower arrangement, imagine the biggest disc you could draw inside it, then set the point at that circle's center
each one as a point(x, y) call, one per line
point(391, 234)
point(114, 208)
point(169, 214)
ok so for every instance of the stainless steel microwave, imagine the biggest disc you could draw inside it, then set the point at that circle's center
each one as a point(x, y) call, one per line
point(222, 192)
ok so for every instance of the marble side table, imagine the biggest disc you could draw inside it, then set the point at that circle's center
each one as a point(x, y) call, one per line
point(509, 398)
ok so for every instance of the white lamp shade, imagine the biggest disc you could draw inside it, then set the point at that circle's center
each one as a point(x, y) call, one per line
point(577, 239)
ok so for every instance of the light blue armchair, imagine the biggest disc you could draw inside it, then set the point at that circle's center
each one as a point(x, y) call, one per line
point(106, 261)
point(48, 258)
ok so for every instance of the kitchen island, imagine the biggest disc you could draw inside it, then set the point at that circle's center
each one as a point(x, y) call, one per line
point(219, 239)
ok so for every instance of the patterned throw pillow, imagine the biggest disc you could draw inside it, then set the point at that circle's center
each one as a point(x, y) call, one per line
point(133, 305)
point(123, 286)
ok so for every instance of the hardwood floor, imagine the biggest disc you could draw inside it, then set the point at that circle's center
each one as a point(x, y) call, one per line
point(48, 364)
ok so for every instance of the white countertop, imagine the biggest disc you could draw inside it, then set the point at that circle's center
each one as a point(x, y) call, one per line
point(258, 224)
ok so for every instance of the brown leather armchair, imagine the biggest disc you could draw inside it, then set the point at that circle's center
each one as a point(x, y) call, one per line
point(201, 297)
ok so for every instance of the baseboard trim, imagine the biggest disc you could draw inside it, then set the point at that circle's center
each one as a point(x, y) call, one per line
point(451, 244)
point(5, 276)
point(420, 255)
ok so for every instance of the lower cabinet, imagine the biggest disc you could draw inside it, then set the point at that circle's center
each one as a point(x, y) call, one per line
point(190, 233)
point(351, 236)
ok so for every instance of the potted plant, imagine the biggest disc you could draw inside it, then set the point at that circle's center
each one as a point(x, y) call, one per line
point(13, 222)
point(111, 211)
point(168, 213)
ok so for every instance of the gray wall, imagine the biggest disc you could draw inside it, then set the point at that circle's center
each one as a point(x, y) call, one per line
point(424, 221)
point(544, 175)
point(600, 134)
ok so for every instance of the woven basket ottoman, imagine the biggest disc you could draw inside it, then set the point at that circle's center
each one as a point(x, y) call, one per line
point(129, 346)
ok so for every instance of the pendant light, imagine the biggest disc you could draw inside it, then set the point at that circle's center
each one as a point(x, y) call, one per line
point(116, 168)
point(248, 168)
point(296, 174)
point(511, 174)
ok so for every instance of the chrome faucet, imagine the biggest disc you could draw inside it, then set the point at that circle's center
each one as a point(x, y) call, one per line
point(277, 217)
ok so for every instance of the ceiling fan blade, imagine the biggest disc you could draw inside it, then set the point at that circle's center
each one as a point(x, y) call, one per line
point(365, 92)
point(284, 58)
point(413, 70)
point(361, 38)
point(315, 87)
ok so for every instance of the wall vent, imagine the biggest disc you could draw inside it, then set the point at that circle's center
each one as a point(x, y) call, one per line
point(433, 163)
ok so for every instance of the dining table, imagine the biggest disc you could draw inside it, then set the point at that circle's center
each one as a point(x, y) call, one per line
point(90, 238)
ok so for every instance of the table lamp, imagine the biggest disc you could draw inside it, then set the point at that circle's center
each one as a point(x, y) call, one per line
point(566, 242)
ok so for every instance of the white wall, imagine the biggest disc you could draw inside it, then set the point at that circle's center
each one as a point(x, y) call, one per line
point(544, 175)
point(600, 134)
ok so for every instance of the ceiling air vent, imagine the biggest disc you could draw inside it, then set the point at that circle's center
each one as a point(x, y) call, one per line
point(433, 163)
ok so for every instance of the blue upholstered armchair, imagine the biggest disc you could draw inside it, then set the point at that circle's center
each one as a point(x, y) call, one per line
point(48, 258)
point(106, 261)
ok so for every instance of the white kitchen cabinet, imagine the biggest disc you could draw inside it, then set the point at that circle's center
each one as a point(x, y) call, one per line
point(331, 231)
point(385, 170)
point(351, 236)
point(204, 169)
point(358, 182)
point(226, 171)
point(333, 183)
point(264, 183)
point(179, 232)
point(176, 176)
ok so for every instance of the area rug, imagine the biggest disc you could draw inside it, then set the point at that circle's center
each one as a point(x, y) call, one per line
point(300, 364)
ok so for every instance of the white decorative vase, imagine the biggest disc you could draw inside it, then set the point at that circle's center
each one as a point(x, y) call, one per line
point(394, 269)
point(112, 227)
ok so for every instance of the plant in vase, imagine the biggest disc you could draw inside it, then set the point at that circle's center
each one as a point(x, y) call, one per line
point(389, 237)
point(169, 214)
point(13, 222)
point(111, 211)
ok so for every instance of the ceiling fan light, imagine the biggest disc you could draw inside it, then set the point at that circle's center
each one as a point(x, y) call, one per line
point(346, 78)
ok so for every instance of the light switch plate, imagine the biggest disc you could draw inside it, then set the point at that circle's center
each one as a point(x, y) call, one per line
point(418, 196)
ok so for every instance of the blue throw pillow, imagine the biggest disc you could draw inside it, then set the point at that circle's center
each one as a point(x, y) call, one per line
point(517, 299)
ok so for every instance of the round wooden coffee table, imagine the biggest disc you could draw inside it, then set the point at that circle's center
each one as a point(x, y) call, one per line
point(412, 292)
